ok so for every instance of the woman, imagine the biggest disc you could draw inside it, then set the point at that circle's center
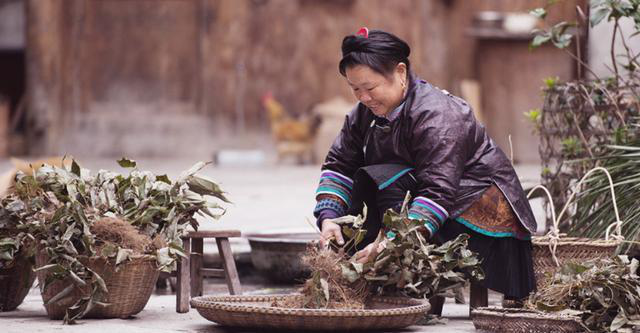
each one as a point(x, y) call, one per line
point(407, 135)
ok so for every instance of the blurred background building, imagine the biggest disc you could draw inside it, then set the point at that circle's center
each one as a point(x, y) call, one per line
point(187, 78)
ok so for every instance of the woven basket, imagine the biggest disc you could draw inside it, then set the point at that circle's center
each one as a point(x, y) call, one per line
point(129, 288)
point(552, 251)
point(256, 312)
point(15, 282)
point(523, 321)
point(16, 279)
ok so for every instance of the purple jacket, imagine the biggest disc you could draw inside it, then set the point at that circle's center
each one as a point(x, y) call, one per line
point(435, 134)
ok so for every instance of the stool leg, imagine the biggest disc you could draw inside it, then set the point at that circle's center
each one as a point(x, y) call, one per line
point(197, 250)
point(479, 296)
point(231, 274)
point(183, 290)
point(437, 302)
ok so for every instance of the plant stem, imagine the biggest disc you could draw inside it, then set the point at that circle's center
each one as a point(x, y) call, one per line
point(613, 49)
point(583, 64)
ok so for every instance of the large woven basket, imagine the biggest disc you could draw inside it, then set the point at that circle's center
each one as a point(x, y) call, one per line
point(256, 312)
point(15, 279)
point(501, 320)
point(129, 288)
point(552, 251)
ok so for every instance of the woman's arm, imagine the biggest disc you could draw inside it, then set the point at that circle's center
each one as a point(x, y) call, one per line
point(441, 144)
point(345, 156)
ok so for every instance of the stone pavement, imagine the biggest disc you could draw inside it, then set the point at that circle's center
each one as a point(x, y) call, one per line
point(265, 198)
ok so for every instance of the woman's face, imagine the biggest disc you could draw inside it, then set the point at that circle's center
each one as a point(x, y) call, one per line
point(380, 93)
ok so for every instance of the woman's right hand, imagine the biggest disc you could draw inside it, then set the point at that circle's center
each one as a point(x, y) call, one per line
point(330, 230)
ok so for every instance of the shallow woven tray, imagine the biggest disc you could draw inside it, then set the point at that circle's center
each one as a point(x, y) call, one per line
point(492, 319)
point(256, 312)
point(568, 249)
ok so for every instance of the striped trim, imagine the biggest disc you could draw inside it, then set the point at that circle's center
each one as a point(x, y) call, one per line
point(488, 233)
point(440, 217)
point(427, 223)
point(342, 195)
point(338, 180)
point(426, 201)
point(394, 178)
point(337, 184)
point(326, 173)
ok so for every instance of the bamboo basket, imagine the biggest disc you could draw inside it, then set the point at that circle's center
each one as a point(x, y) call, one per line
point(15, 280)
point(553, 250)
point(256, 312)
point(129, 288)
point(501, 320)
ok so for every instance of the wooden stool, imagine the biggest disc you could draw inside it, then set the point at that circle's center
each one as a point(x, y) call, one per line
point(479, 297)
point(191, 272)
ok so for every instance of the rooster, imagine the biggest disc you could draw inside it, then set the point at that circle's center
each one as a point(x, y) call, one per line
point(292, 136)
point(7, 180)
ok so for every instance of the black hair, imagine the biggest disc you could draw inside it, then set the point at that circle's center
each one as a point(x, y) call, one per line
point(381, 51)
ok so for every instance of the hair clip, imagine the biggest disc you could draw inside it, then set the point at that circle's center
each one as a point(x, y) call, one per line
point(364, 32)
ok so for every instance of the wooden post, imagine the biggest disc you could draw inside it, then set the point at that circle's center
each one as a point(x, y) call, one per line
point(233, 282)
point(437, 302)
point(479, 297)
point(183, 290)
point(196, 264)
point(4, 126)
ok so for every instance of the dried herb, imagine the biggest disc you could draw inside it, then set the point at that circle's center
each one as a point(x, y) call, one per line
point(409, 265)
point(61, 207)
point(605, 293)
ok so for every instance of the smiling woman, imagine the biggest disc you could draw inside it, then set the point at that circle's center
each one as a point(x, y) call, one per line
point(407, 135)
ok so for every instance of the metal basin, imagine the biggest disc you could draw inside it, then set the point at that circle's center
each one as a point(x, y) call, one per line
point(277, 255)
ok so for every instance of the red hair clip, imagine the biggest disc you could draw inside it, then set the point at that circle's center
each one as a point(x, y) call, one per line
point(364, 32)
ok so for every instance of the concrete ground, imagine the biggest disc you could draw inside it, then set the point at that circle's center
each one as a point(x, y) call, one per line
point(266, 198)
point(159, 315)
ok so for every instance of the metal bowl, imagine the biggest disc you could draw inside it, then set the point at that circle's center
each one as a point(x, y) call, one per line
point(277, 255)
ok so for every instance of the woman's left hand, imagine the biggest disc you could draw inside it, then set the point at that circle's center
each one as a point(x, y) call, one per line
point(370, 251)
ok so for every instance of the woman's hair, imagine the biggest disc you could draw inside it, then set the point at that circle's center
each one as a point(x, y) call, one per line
point(381, 51)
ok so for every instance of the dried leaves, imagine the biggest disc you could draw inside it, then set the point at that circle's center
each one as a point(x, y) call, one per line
point(60, 208)
point(605, 293)
point(408, 266)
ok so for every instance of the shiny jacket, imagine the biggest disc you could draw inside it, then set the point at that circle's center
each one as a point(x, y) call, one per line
point(436, 134)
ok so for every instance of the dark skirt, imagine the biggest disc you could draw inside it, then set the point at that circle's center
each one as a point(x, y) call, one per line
point(506, 261)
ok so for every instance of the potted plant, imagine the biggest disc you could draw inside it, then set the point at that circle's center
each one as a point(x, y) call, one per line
point(101, 238)
point(581, 120)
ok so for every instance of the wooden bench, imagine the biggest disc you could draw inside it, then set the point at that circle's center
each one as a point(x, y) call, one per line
point(479, 297)
point(190, 273)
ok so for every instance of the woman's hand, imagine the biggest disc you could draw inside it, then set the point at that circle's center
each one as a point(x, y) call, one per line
point(330, 230)
point(370, 251)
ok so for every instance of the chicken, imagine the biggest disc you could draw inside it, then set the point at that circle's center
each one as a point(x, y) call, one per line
point(292, 136)
point(7, 179)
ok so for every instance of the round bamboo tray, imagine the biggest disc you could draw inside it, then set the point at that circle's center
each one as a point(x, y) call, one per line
point(256, 312)
point(129, 288)
point(501, 320)
point(15, 282)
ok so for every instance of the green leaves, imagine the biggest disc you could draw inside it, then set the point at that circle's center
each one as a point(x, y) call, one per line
point(409, 265)
point(57, 207)
point(126, 163)
point(603, 292)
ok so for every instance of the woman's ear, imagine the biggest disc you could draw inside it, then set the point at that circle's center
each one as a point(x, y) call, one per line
point(401, 69)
